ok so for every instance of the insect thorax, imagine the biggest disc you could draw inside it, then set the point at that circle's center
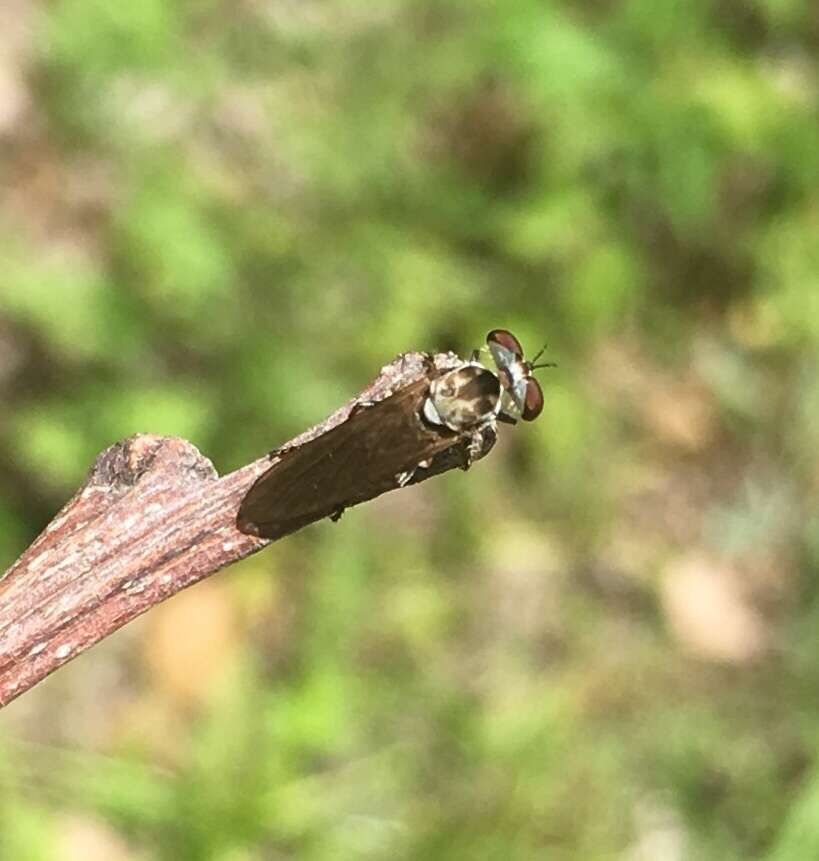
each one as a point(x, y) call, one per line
point(464, 398)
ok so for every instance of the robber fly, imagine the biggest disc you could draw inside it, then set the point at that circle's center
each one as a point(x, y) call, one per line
point(380, 446)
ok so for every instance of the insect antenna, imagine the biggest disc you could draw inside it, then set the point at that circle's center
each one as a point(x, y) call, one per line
point(533, 366)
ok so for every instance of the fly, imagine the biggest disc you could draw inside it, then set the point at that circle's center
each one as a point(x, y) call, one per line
point(380, 446)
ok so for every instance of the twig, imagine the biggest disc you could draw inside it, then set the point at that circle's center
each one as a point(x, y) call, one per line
point(152, 518)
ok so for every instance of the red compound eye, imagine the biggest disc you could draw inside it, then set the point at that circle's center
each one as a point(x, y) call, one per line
point(534, 400)
point(507, 340)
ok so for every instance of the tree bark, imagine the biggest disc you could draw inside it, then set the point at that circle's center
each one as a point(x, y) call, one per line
point(152, 518)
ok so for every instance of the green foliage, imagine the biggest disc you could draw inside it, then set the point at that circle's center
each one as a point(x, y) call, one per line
point(219, 221)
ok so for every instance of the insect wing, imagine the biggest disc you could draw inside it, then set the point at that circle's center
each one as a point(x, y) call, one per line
point(355, 461)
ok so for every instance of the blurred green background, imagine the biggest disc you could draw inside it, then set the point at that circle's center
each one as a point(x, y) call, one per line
point(218, 220)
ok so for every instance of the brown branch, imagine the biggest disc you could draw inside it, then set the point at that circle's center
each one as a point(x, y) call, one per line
point(152, 518)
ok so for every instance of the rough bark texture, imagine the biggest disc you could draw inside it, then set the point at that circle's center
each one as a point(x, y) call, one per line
point(152, 518)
